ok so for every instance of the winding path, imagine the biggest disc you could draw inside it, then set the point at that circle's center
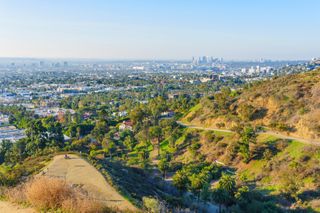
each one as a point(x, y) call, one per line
point(276, 134)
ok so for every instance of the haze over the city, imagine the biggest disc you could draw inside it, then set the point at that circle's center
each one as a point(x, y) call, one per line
point(124, 29)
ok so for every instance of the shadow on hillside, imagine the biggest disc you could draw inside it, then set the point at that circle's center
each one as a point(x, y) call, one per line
point(309, 195)
point(259, 113)
point(282, 200)
point(138, 183)
point(269, 148)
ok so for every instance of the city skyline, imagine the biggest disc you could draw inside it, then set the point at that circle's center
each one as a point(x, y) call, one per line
point(131, 30)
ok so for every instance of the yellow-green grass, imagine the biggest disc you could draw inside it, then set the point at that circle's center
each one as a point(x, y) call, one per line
point(222, 133)
point(195, 108)
point(295, 149)
point(265, 138)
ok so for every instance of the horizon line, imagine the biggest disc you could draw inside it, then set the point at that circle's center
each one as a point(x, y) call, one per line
point(144, 59)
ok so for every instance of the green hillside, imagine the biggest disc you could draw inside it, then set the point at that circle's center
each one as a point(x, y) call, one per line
point(286, 171)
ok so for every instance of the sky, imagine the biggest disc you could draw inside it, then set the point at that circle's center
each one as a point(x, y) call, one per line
point(160, 29)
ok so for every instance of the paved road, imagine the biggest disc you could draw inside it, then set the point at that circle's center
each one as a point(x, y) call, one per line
point(276, 134)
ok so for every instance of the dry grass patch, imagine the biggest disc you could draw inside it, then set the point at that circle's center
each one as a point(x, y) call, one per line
point(46, 193)
point(16, 194)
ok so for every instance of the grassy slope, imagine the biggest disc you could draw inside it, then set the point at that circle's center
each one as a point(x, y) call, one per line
point(292, 100)
point(30, 166)
point(267, 175)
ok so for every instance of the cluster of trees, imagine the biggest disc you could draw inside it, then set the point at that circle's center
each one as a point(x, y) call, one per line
point(18, 115)
point(222, 100)
point(148, 125)
point(98, 133)
point(41, 134)
point(247, 135)
point(236, 196)
point(196, 178)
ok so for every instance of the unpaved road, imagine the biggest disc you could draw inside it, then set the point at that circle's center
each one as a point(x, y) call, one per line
point(276, 134)
point(7, 207)
point(79, 172)
point(202, 128)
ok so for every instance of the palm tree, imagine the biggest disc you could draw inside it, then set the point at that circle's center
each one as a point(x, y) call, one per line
point(228, 183)
point(221, 197)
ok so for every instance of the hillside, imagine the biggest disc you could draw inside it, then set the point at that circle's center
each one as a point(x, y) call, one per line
point(275, 163)
point(75, 184)
point(288, 104)
point(77, 171)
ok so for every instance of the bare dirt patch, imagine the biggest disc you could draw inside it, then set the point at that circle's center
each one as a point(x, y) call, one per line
point(77, 171)
point(12, 208)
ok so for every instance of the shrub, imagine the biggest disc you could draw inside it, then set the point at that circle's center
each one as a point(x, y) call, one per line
point(16, 194)
point(81, 205)
point(282, 144)
point(151, 204)
point(221, 125)
point(304, 158)
point(267, 154)
point(46, 193)
point(209, 136)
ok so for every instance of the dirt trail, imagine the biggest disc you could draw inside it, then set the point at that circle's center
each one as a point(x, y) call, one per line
point(79, 172)
point(276, 134)
point(202, 128)
point(8, 207)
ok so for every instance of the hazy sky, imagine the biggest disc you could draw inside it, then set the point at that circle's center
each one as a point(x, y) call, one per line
point(160, 29)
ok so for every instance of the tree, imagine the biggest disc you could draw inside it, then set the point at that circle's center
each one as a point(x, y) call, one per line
point(5, 147)
point(290, 186)
point(108, 145)
point(17, 152)
point(156, 106)
point(143, 155)
point(224, 194)
point(152, 205)
point(222, 99)
point(180, 180)
point(228, 183)
point(129, 142)
point(221, 197)
point(205, 191)
point(54, 132)
point(156, 133)
point(242, 194)
point(110, 148)
point(137, 114)
point(100, 130)
point(37, 136)
point(246, 112)
point(164, 165)
point(247, 137)
point(196, 184)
